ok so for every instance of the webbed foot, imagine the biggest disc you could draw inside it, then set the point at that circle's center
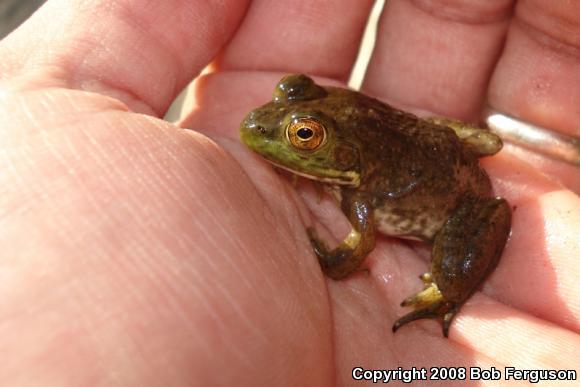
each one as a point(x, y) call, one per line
point(428, 303)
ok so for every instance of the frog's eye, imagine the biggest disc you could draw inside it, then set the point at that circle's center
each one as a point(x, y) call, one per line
point(306, 133)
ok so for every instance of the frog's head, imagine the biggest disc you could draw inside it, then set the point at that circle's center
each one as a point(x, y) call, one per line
point(293, 134)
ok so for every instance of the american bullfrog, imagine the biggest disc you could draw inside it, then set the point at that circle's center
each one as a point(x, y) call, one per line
point(394, 173)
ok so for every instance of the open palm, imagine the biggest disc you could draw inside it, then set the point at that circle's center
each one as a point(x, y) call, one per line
point(137, 253)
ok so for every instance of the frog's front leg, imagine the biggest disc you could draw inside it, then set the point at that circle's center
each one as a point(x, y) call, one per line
point(465, 252)
point(347, 257)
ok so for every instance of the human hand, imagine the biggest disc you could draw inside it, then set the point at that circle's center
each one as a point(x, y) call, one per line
point(137, 253)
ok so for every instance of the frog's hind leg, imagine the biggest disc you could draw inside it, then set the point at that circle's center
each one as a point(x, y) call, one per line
point(465, 252)
point(480, 141)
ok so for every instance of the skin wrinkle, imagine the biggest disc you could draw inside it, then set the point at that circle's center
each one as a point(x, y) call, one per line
point(268, 215)
point(547, 40)
point(514, 357)
point(560, 22)
point(202, 300)
point(44, 273)
point(29, 113)
point(180, 308)
point(8, 65)
point(9, 169)
point(214, 264)
point(134, 101)
point(468, 11)
point(284, 281)
point(123, 91)
point(431, 341)
point(216, 244)
point(127, 356)
point(232, 304)
point(40, 193)
point(175, 174)
point(488, 361)
point(159, 282)
point(246, 319)
point(87, 327)
point(62, 228)
point(94, 41)
point(52, 116)
point(480, 359)
point(155, 180)
point(265, 278)
point(168, 52)
point(107, 186)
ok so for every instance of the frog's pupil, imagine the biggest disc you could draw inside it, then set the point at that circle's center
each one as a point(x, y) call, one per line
point(304, 133)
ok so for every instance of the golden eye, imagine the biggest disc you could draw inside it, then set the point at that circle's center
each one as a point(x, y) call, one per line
point(306, 133)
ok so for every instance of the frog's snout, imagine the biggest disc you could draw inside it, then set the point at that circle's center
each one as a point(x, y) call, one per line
point(251, 129)
point(250, 125)
point(251, 133)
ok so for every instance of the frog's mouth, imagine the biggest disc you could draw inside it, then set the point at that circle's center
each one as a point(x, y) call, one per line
point(331, 176)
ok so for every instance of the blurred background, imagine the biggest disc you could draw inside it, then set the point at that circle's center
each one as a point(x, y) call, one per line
point(14, 12)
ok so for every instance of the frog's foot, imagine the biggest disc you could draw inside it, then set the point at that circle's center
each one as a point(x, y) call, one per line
point(339, 262)
point(347, 257)
point(429, 303)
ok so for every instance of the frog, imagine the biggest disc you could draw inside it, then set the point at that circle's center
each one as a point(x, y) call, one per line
point(392, 173)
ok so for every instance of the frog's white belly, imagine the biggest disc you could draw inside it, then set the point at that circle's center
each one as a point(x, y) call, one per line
point(422, 226)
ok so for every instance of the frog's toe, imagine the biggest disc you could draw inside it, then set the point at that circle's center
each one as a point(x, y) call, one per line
point(429, 303)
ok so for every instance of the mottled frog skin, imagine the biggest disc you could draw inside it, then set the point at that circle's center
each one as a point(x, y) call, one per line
point(395, 173)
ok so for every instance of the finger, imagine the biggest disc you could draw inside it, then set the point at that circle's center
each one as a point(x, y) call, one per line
point(129, 239)
point(314, 37)
point(533, 272)
point(537, 74)
point(140, 54)
point(540, 65)
point(538, 271)
point(513, 338)
point(437, 55)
